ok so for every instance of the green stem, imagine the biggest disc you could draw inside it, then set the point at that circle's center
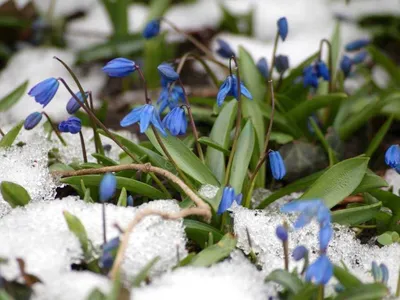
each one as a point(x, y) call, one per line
point(331, 155)
point(273, 55)
point(320, 292)
point(83, 147)
point(54, 129)
point(112, 137)
point(96, 137)
point(330, 61)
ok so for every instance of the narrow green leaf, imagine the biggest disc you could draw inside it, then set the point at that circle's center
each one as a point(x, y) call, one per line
point(199, 232)
point(242, 157)
point(96, 294)
point(186, 160)
point(87, 197)
point(123, 198)
point(104, 160)
point(378, 138)
point(336, 47)
point(220, 133)
point(347, 279)
point(281, 138)
point(338, 181)
point(356, 215)
point(388, 200)
point(329, 151)
point(10, 136)
point(215, 253)
point(370, 291)
point(157, 8)
point(77, 228)
point(60, 167)
point(369, 182)
point(209, 142)
point(131, 185)
point(144, 272)
point(12, 98)
point(287, 280)
point(14, 194)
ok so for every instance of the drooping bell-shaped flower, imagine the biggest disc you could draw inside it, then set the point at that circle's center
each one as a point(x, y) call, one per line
point(345, 65)
point(72, 125)
point(167, 72)
point(152, 29)
point(283, 28)
point(392, 156)
point(228, 197)
point(169, 97)
point(119, 67)
point(229, 88)
point(107, 188)
point(359, 57)
point(262, 66)
point(32, 120)
point(320, 271)
point(106, 260)
point(325, 235)
point(281, 233)
point(224, 50)
point(310, 77)
point(175, 121)
point(145, 115)
point(111, 245)
point(277, 165)
point(281, 63)
point(44, 91)
point(299, 253)
point(322, 70)
point(73, 105)
point(357, 45)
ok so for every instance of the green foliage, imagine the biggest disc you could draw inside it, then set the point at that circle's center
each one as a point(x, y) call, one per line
point(13, 97)
point(10, 136)
point(14, 194)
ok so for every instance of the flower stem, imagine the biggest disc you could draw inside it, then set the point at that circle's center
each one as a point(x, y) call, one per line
point(238, 120)
point(96, 137)
point(320, 292)
point(54, 128)
point(112, 137)
point(330, 61)
point(83, 147)
point(192, 124)
point(104, 223)
point(166, 152)
point(141, 75)
point(264, 154)
point(273, 55)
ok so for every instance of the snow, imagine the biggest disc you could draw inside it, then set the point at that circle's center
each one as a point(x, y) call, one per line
point(63, 8)
point(235, 279)
point(393, 179)
point(37, 65)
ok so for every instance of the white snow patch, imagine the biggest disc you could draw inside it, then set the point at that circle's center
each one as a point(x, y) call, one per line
point(235, 279)
point(393, 179)
point(39, 234)
point(36, 65)
point(63, 8)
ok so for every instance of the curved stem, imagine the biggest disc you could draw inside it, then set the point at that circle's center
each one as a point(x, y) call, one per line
point(83, 147)
point(141, 75)
point(238, 122)
point(274, 54)
point(192, 124)
point(97, 142)
point(111, 136)
point(330, 61)
point(54, 128)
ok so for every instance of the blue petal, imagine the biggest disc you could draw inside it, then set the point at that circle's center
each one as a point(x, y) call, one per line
point(119, 67)
point(262, 66)
point(107, 188)
point(228, 196)
point(32, 120)
point(325, 235)
point(155, 120)
point(360, 57)
point(224, 90)
point(167, 72)
point(74, 125)
point(277, 165)
point(281, 63)
point(320, 272)
point(323, 71)
point(345, 65)
point(392, 156)
point(224, 49)
point(132, 118)
point(145, 117)
point(357, 45)
point(283, 28)
point(152, 29)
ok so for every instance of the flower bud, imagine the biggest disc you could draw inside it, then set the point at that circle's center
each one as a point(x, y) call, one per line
point(32, 120)
point(299, 253)
point(277, 165)
point(283, 28)
point(108, 185)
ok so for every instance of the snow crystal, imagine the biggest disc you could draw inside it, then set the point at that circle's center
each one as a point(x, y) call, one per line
point(71, 285)
point(208, 191)
point(230, 279)
point(393, 179)
point(37, 65)
point(39, 234)
point(344, 246)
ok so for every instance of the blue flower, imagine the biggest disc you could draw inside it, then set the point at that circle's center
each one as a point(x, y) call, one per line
point(281, 63)
point(229, 88)
point(228, 196)
point(111, 245)
point(281, 233)
point(385, 273)
point(325, 235)
point(357, 45)
point(167, 72)
point(152, 29)
point(360, 57)
point(310, 77)
point(392, 156)
point(299, 253)
point(277, 165)
point(170, 97)
point(107, 188)
point(32, 120)
point(44, 91)
point(106, 260)
point(262, 66)
point(283, 28)
point(73, 105)
point(129, 201)
point(308, 210)
point(345, 65)
point(72, 125)
point(376, 271)
point(145, 115)
point(175, 121)
point(119, 67)
point(321, 271)
point(322, 70)
point(224, 49)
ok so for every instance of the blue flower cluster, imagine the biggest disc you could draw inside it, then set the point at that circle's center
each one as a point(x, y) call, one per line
point(321, 270)
point(312, 73)
point(229, 88)
point(392, 157)
point(347, 62)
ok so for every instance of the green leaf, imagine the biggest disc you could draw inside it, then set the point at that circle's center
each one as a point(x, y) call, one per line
point(96, 294)
point(123, 198)
point(4, 295)
point(388, 238)
point(388, 200)
point(215, 253)
point(157, 8)
point(347, 279)
point(356, 215)
point(309, 291)
point(205, 140)
point(144, 272)
point(385, 62)
point(131, 185)
point(338, 181)
point(186, 160)
point(336, 47)
point(199, 232)
point(369, 182)
point(251, 76)
point(242, 157)
point(104, 160)
point(87, 197)
point(370, 291)
point(287, 280)
point(280, 137)
point(12, 98)
point(77, 228)
point(60, 167)
point(14, 194)
point(378, 138)
point(220, 134)
point(10, 136)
